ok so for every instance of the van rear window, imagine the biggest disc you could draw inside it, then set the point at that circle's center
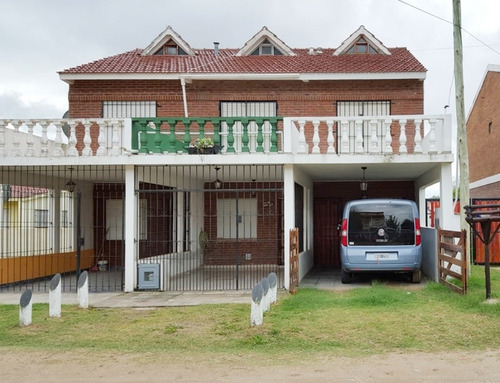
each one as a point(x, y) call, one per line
point(381, 224)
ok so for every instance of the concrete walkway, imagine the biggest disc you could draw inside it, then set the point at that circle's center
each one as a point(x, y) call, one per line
point(141, 299)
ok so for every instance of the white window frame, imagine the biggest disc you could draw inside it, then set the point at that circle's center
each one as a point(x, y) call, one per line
point(237, 218)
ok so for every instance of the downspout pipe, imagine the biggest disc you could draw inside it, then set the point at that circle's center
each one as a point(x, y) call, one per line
point(184, 99)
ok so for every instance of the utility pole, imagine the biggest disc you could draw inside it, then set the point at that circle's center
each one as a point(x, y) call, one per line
point(463, 154)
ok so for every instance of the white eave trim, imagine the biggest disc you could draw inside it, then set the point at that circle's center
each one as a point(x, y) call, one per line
point(485, 181)
point(489, 68)
point(364, 76)
point(70, 78)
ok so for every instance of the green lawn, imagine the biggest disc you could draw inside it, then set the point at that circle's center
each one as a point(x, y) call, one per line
point(362, 321)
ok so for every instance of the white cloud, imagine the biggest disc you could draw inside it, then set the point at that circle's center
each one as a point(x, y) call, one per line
point(13, 106)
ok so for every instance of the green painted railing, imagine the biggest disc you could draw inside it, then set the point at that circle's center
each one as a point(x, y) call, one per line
point(177, 134)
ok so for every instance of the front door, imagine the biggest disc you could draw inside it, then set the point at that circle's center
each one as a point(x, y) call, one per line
point(327, 217)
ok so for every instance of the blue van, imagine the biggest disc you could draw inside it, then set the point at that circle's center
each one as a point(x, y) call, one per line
point(380, 235)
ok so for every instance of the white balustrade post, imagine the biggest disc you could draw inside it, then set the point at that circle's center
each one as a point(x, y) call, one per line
point(331, 138)
point(87, 151)
point(102, 138)
point(388, 137)
point(432, 136)
point(44, 140)
point(72, 151)
point(344, 138)
point(359, 137)
point(25, 308)
point(58, 143)
point(402, 137)
point(16, 142)
point(117, 127)
point(55, 297)
point(30, 140)
point(256, 313)
point(315, 148)
point(83, 290)
point(303, 147)
point(418, 137)
point(374, 141)
point(2, 138)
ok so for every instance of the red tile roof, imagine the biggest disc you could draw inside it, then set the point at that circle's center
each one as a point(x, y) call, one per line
point(226, 62)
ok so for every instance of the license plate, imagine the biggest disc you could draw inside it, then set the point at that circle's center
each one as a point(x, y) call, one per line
point(381, 256)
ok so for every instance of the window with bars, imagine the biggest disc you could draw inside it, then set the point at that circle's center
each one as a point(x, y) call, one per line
point(363, 108)
point(248, 108)
point(41, 218)
point(128, 109)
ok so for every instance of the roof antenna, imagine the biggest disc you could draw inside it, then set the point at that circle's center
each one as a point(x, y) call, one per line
point(216, 48)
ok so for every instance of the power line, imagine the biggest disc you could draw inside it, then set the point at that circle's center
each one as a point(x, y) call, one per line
point(449, 22)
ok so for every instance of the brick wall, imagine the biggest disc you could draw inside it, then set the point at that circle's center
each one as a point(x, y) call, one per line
point(486, 191)
point(483, 131)
point(294, 98)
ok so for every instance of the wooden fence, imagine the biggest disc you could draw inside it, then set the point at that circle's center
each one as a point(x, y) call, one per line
point(25, 268)
point(452, 260)
point(294, 260)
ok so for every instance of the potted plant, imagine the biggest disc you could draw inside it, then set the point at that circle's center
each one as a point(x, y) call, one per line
point(204, 145)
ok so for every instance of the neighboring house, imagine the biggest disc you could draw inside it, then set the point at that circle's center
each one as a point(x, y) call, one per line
point(295, 127)
point(483, 133)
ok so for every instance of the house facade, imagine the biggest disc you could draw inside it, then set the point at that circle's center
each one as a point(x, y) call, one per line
point(296, 131)
point(483, 129)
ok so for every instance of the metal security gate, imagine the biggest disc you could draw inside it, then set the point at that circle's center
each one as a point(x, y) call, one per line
point(211, 227)
point(38, 221)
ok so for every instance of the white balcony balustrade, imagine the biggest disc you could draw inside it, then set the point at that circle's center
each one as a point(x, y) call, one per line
point(64, 138)
point(381, 135)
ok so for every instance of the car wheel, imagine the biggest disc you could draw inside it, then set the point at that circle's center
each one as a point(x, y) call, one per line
point(345, 277)
point(416, 276)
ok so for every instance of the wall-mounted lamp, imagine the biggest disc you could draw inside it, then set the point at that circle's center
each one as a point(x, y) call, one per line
point(254, 192)
point(217, 182)
point(70, 185)
point(363, 185)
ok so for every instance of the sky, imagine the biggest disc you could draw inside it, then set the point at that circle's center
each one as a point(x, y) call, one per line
point(39, 38)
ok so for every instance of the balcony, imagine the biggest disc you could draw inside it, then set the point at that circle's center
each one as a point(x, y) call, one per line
point(405, 135)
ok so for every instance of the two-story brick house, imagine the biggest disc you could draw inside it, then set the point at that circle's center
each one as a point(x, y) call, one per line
point(483, 130)
point(295, 128)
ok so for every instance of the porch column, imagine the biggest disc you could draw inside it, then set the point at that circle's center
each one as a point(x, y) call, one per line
point(288, 216)
point(446, 191)
point(130, 222)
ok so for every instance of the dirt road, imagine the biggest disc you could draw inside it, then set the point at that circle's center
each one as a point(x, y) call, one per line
point(69, 367)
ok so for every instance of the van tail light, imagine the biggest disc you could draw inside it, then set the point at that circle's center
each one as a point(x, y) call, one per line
point(343, 233)
point(418, 233)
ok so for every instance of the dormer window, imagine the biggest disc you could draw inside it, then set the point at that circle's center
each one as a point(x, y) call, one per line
point(361, 46)
point(266, 49)
point(170, 49)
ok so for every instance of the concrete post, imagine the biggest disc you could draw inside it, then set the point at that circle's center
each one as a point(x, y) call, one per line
point(83, 290)
point(55, 297)
point(265, 296)
point(256, 314)
point(273, 287)
point(25, 308)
